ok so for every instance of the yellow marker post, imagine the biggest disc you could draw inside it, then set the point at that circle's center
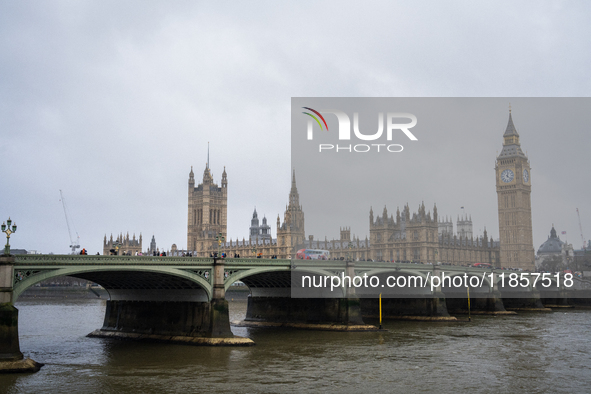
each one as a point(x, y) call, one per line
point(380, 311)
point(468, 291)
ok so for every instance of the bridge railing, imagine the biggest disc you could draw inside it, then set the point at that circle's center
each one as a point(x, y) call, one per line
point(54, 259)
point(51, 259)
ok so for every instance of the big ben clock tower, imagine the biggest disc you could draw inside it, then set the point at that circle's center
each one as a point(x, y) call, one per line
point(514, 198)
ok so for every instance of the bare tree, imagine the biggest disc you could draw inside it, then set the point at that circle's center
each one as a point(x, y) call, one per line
point(553, 264)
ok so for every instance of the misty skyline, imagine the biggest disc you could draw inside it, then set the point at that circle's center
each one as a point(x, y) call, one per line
point(112, 103)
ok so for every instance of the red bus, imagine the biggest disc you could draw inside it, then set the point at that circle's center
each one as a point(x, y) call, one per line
point(312, 254)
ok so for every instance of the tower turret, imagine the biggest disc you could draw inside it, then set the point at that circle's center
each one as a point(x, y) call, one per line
point(191, 178)
point(207, 212)
point(514, 202)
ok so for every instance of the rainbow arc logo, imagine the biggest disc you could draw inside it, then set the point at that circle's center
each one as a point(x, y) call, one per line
point(315, 118)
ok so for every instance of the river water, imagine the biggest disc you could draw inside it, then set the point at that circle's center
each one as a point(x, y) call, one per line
point(526, 353)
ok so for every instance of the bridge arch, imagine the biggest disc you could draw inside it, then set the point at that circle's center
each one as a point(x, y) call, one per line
point(163, 283)
point(275, 281)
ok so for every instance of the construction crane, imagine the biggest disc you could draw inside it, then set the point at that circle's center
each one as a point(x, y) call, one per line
point(581, 229)
point(73, 245)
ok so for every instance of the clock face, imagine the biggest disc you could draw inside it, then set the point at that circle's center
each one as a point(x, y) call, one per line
point(507, 176)
point(525, 176)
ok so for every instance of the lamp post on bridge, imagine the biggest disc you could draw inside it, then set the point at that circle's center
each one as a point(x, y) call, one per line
point(220, 238)
point(349, 246)
point(117, 245)
point(6, 229)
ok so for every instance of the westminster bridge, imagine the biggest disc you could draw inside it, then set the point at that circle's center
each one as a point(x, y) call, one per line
point(182, 299)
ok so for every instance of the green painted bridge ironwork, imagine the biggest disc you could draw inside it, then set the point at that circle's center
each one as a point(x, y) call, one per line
point(170, 274)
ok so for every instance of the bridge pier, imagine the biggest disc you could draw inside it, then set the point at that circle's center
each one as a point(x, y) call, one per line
point(343, 314)
point(427, 308)
point(11, 358)
point(219, 311)
point(490, 303)
point(190, 322)
point(555, 299)
point(276, 307)
point(532, 302)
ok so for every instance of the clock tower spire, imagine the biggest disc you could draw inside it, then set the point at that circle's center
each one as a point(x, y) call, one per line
point(514, 202)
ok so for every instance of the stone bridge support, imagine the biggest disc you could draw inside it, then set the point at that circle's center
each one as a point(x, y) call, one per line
point(184, 321)
point(419, 306)
point(555, 296)
point(11, 358)
point(530, 301)
point(489, 304)
point(278, 308)
point(219, 315)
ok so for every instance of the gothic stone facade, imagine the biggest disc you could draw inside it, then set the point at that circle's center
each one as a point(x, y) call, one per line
point(513, 180)
point(208, 212)
point(420, 237)
point(126, 246)
point(417, 238)
point(203, 227)
point(290, 233)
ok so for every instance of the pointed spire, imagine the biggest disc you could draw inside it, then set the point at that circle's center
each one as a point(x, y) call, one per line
point(293, 180)
point(510, 127)
point(511, 145)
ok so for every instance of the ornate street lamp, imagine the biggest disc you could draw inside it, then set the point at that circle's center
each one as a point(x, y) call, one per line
point(254, 251)
point(6, 229)
point(117, 245)
point(220, 238)
point(349, 246)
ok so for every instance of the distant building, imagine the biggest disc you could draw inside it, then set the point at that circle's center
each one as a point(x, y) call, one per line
point(553, 248)
point(419, 237)
point(583, 259)
point(464, 226)
point(262, 232)
point(208, 217)
point(513, 178)
point(152, 248)
point(122, 245)
point(208, 211)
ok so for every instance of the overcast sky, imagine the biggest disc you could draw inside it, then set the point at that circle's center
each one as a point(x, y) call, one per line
point(113, 102)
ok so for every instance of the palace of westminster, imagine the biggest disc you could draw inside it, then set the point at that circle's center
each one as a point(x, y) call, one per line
point(421, 236)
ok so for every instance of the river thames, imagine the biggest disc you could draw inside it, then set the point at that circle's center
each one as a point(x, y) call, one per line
point(525, 353)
